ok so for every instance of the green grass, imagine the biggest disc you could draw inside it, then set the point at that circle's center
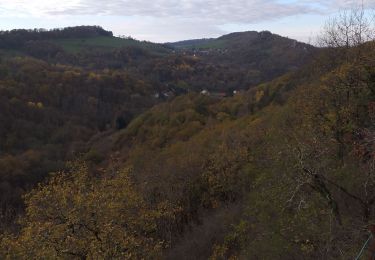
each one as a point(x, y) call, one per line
point(102, 42)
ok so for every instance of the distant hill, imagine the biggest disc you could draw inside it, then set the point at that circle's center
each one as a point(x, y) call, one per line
point(262, 54)
point(45, 44)
point(234, 39)
point(234, 61)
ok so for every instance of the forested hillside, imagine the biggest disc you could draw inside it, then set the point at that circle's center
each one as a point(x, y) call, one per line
point(263, 55)
point(194, 150)
point(60, 88)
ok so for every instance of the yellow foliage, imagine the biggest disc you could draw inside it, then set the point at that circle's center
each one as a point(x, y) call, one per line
point(259, 95)
point(82, 216)
point(38, 105)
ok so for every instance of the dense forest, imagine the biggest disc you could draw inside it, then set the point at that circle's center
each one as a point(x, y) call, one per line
point(248, 146)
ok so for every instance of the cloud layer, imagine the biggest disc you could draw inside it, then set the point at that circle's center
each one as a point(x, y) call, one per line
point(190, 17)
point(220, 11)
point(241, 11)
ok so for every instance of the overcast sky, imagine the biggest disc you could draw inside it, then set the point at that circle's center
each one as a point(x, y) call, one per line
point(172, 20)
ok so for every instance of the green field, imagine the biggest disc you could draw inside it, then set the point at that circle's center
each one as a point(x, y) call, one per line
point(102, 42)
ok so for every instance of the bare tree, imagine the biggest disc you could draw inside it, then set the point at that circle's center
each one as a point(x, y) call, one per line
point(350, 28)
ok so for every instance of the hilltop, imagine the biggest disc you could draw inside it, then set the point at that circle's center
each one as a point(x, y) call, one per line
point(70, 39)
point(263, 54)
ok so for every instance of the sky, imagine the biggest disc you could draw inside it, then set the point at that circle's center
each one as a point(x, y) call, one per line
point(173, 20)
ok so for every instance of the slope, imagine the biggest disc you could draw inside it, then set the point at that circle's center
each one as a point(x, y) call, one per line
point(277, 172)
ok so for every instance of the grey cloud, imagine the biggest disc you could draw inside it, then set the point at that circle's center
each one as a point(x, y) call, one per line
point(220, 11)
point(335, 5)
